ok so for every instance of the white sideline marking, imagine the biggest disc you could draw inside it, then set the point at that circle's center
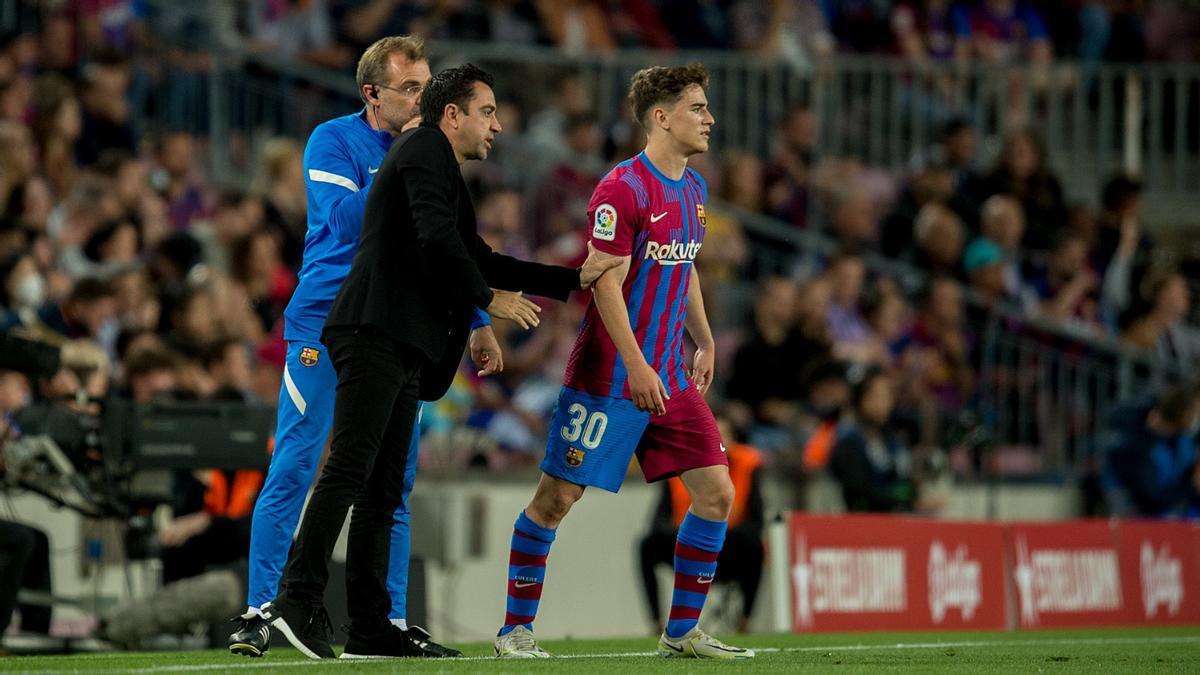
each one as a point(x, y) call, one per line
point(267, 663)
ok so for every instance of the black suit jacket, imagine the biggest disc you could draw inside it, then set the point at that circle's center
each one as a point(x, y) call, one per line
point(421, 268)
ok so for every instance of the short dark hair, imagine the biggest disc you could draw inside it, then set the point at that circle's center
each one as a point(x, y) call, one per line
point(452, 85)
point(1118, 190)
point(663, 84)
point(90, 289)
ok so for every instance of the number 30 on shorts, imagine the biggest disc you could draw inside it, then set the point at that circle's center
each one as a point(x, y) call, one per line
point(586, 428)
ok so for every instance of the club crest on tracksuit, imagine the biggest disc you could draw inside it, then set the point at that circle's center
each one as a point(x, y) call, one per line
point(309, 356)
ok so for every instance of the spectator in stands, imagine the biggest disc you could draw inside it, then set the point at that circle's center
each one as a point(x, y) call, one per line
point(561, 199)
point(1151, 455)
point(852, 338)
point(795, 31)
point(576, 26)
point(1023, 173)
point(984, 264)
point(1162, 330)
point(228, 363)
point(1002, 222)
point(1122, 249)
point(766, 373)
point(924, 31)
point(106, 112)
point(741, 560)
point(501, 217)
point(22, 288)
point(18, 158)
point(193, 329)
point(815, 427)
point(697, 24)
point(57, 127)
point(150, 373)
point(89, 311)
point(280, 185)
point(930, 184)
point(546, 133)
point(889, 316)
point(299, 30)
point(1003, 32)
point(259, 270)
point(1067, 290)
point(176, 181)
point(872, 464)
point(853, 216)
point(938, 358)
point(786, 175)
point(938, 240)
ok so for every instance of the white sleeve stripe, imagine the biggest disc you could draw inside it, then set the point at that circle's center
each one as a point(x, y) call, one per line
point(326, 177)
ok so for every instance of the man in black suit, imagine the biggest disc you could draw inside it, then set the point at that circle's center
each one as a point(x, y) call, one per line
point(396, 334)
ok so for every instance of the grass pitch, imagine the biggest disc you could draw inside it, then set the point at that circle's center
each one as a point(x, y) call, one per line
point(1135, 650)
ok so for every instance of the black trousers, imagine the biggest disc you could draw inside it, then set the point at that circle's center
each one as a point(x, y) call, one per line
point(24, 563)
point(373, 417)
point(740, 561)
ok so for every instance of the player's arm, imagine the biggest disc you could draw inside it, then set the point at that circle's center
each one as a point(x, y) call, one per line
point(645, 386)
point(336, 197)
point(696, 322)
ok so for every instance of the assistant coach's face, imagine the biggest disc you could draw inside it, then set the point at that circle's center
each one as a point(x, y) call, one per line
point(479, 124)
point(400, 97)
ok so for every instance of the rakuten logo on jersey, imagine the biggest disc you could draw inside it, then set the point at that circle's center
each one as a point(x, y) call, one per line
point(673, 253)
point(1162, 580)
point(848, 580)
point(954, 582)
point(1066, 580)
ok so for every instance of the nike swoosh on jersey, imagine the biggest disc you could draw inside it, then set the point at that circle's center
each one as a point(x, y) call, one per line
point(372, 170)
point(655, 217)
point(524, 584)
point(704, 580)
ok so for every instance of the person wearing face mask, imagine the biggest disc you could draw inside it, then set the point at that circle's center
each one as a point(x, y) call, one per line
point(22, 288)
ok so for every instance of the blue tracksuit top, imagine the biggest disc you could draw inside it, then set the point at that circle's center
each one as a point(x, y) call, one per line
point(340, 162)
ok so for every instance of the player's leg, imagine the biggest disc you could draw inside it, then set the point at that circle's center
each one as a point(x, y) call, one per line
point(591, 441)
point(533, 534)
point(685, 441)
point(305, 414)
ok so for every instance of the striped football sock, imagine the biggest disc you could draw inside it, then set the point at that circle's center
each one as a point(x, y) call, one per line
point(526, 572)
point(697, 546)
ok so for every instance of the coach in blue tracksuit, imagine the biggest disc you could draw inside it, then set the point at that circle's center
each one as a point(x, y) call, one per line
point(340, 161)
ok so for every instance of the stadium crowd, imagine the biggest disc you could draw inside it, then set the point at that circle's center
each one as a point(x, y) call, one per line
point(118, 237)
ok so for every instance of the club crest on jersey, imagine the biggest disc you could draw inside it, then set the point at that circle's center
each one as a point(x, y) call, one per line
point(700, 215)
point(574, 456)
point(309, 356)
point(605, 222)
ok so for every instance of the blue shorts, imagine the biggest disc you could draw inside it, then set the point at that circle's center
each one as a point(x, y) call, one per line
point(592, 439)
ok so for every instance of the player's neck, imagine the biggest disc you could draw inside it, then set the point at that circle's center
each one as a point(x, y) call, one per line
point(669, 162)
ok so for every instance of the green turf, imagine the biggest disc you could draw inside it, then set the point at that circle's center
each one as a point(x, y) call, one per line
point(1141, 650)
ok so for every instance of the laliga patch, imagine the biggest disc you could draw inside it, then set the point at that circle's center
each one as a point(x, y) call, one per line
point(605, 223)
point(575, 456)
point(700, 214)
point(309, 356)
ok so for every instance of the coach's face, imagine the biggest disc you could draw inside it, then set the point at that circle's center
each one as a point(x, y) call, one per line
point(399, 97)
point(690, 121)
point(478, 124)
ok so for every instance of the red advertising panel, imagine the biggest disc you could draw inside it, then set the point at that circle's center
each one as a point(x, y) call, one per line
point(1160, 571)
point(1067, 574)
point(895, 573)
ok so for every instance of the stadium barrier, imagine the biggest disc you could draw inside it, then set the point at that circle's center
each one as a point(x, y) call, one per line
point(875, 572)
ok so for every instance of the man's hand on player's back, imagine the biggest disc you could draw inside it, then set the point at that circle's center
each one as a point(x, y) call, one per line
point(514, 307)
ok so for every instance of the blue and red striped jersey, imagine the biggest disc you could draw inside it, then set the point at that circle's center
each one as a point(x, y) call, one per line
point(636, 211)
